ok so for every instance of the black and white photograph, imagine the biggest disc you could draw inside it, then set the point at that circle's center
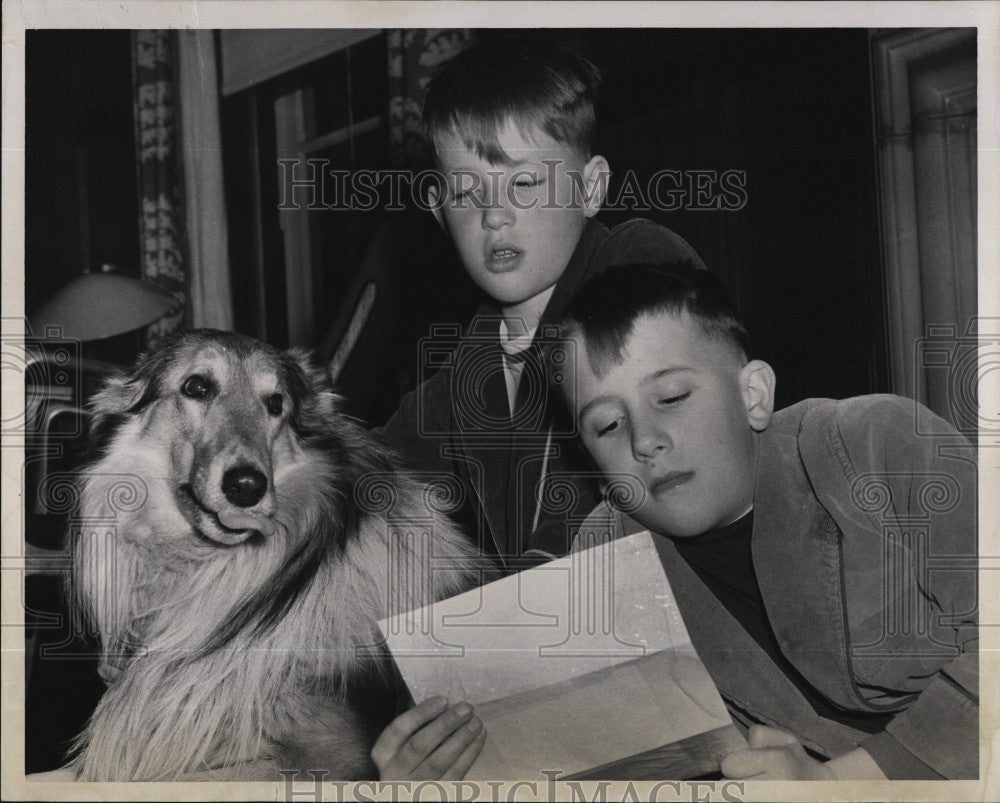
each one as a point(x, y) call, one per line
point(497, 401)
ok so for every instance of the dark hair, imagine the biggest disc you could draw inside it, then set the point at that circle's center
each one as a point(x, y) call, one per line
point(606, 308)
point(533, 81)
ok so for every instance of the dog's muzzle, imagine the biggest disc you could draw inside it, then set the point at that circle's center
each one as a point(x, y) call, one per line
point(230, 526)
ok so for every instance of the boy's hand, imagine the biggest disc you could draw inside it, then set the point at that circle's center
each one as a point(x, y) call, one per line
point(774, 755)
point(430, 741)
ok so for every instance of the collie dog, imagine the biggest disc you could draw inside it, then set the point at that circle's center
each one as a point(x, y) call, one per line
point(237, 540)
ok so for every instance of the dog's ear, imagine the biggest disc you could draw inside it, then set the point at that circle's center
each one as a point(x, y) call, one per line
point(318, 379)
point(123, 394)
point(315, 400)
point(110, 404)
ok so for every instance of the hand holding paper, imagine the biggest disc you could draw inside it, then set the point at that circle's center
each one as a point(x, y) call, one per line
point(430, 741)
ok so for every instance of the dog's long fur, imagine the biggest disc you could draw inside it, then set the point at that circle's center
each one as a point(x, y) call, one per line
point(230, 634)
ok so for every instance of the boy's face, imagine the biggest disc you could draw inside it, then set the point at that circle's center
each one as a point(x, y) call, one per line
point(679, 414)
point(516, 224)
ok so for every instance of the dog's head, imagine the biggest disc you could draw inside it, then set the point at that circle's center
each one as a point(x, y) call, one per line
point(219, 412)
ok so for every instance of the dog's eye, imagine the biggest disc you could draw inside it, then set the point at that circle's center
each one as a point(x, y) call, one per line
point(273, 403)
point(196, 387)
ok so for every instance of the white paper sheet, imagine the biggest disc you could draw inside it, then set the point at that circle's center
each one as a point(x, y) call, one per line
point(572, 665)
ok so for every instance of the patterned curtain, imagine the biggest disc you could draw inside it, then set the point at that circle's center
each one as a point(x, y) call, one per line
point(161, 218)
point(414, 55)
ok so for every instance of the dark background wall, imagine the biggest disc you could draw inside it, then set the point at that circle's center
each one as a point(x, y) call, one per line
point(791, 109)
point(81, 196)
point(81, 210)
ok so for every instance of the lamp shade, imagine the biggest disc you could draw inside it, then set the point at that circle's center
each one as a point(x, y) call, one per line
point(104, 304)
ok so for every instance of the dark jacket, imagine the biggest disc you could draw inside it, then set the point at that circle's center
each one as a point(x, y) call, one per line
point(526, 482)
point(864, 545)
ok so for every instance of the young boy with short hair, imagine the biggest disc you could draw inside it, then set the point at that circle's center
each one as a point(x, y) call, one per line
point(511, 124)
point(823, 556)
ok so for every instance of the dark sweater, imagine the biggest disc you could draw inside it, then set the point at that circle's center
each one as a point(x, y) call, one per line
point(459, 422)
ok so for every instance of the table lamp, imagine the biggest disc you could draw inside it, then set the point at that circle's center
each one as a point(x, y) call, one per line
point(103, 304)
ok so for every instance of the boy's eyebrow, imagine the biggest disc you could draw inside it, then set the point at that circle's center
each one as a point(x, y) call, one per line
point(593, 403)
point(507, 163)
point(674, 369)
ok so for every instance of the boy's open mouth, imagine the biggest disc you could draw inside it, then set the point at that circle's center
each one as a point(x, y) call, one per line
point(503, 259)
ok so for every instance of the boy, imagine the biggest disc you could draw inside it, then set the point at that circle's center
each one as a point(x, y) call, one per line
point(823, 557)
point(511, 124)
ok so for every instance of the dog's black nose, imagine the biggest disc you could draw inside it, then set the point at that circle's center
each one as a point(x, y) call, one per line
point(244, 486)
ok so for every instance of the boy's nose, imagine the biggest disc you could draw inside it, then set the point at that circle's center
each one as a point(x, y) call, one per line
point(497, 215)
point(648, 441)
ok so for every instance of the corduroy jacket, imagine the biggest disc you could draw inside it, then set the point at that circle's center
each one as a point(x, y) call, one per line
point(864, 546)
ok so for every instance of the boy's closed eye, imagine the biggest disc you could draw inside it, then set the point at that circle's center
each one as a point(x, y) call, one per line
point(607, 429)
point(599, 423)
point(526, 180)
point(525, 185)
point(673, 399)
point(602, 425)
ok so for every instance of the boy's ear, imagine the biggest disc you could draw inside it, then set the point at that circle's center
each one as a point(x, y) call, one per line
point(596, 175)
point(433, 201)
point(757, 383)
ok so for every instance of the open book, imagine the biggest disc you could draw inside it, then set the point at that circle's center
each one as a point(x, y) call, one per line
point(581, 666)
